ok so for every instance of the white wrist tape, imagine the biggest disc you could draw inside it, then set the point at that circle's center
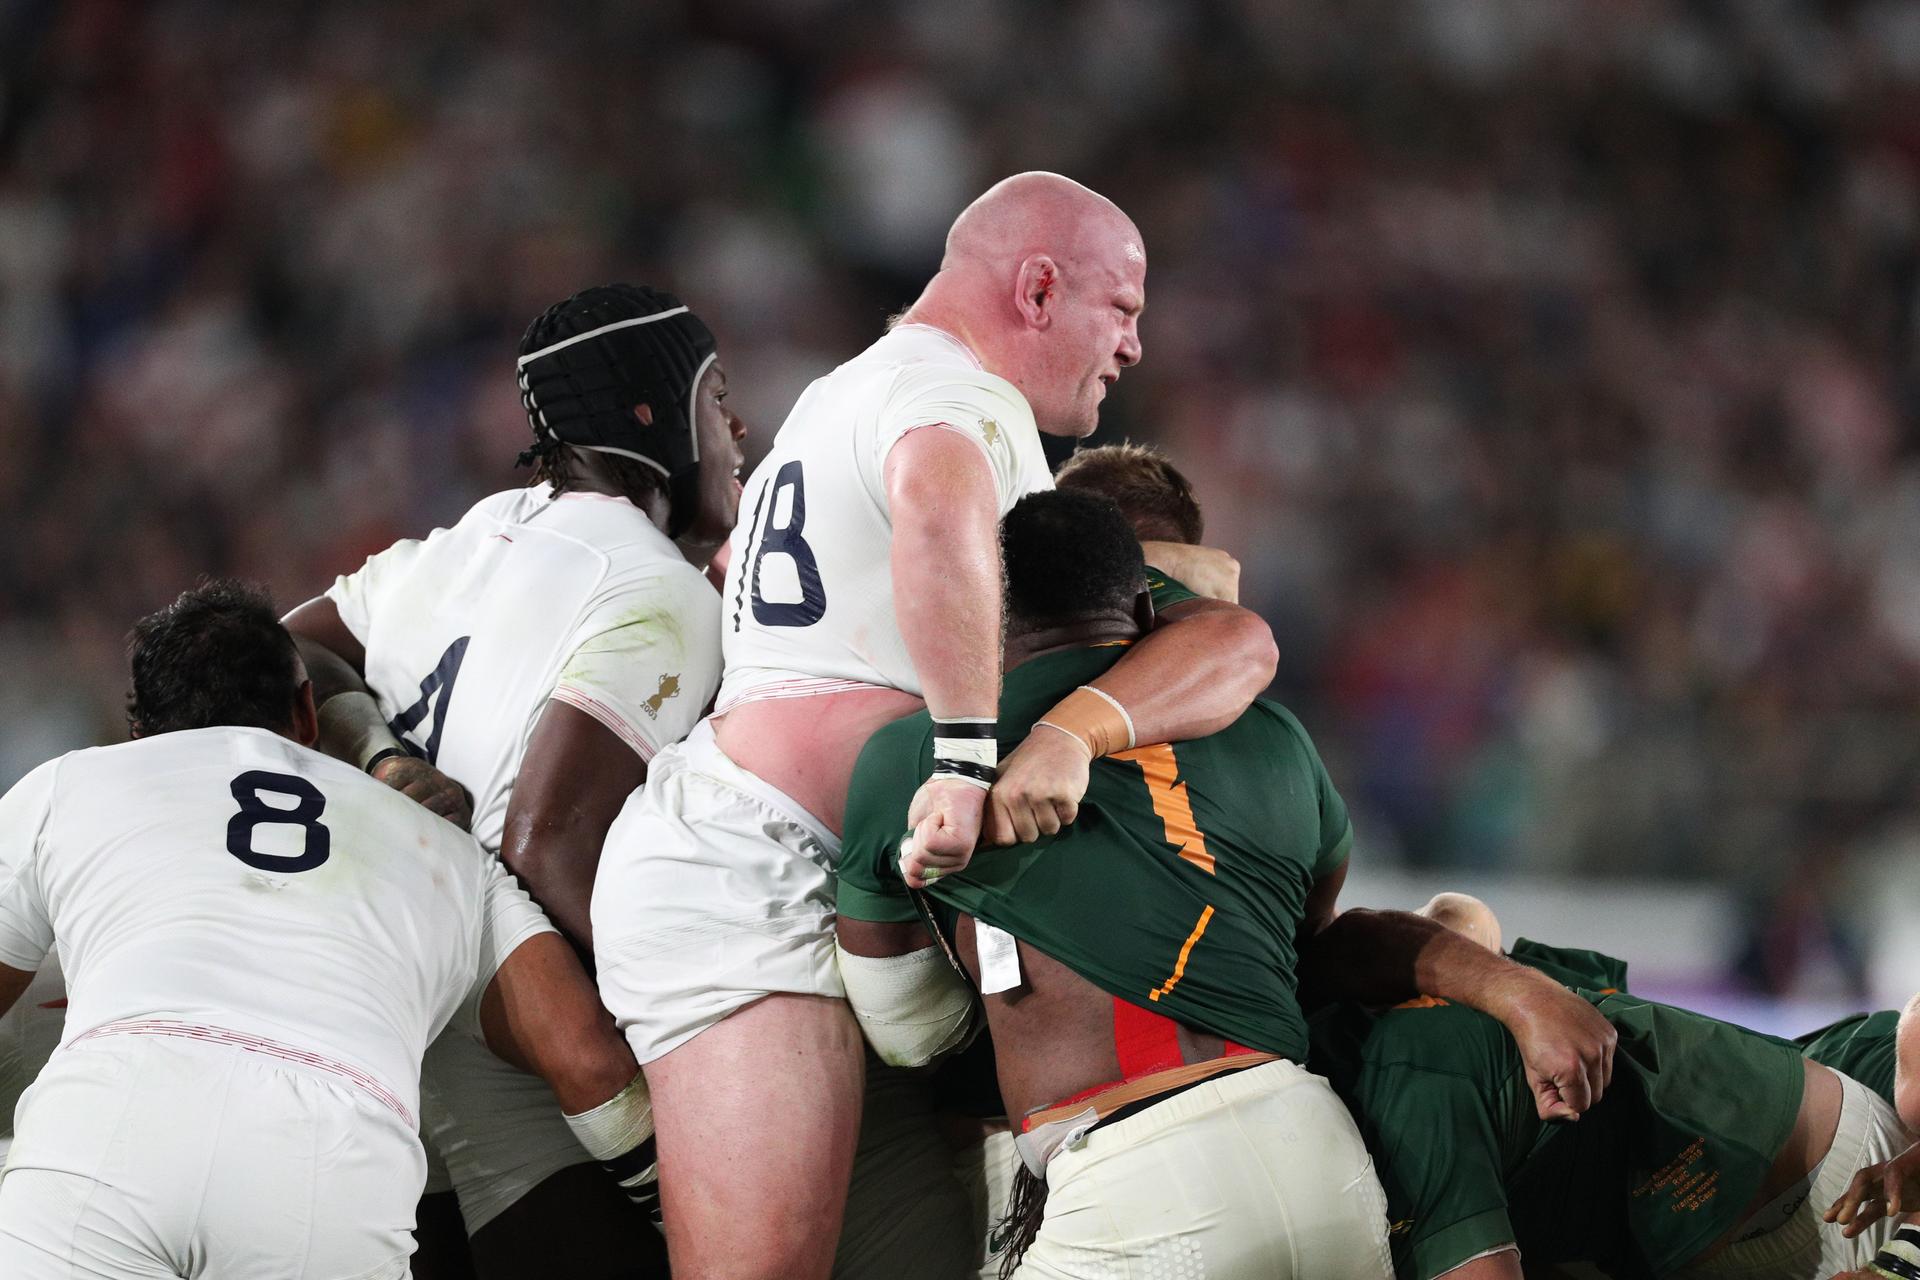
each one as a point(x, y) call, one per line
point(912, 1008)
point(619, 1134)
point(352, 729)
point(966, 749)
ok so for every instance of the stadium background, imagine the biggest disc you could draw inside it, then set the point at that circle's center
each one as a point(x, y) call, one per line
point(1551, 367)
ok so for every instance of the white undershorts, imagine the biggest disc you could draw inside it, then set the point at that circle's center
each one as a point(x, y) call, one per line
point(1256, 1173)
point(142, 1155)
point(714, 890)
point(498, 1129)
point(1807, 1247)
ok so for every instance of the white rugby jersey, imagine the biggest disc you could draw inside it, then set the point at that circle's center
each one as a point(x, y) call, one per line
point(808, 604)
point(230, 885)
point(531, 597)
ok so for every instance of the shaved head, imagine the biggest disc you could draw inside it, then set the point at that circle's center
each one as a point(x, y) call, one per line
point(1044, 279)
point(1038, 213)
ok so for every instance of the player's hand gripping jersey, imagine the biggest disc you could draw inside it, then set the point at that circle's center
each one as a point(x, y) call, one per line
point(808, 604)
point(228, 885)
point(527, 598)
point(1204, 850)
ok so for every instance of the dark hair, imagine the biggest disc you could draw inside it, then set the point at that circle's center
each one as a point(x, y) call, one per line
point(1152, 494)
point(1068, 556)
point(216, 656)
point(559, 464)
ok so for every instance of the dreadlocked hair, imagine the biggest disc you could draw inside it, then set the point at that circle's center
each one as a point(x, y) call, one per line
point(1015, 1233)
point(557, 464)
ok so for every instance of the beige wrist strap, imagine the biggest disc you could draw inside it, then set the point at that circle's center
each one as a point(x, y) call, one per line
point(1094, 719)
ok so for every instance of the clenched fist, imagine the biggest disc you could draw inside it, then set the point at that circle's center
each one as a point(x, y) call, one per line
point(945, 823)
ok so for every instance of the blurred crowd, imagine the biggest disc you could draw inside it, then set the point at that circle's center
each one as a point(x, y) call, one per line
point(1552, 367)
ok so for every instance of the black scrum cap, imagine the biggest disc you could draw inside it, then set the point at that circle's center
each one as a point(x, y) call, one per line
point(586, 362)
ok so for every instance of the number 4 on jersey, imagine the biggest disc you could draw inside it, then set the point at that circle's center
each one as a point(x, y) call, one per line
point(438, 681)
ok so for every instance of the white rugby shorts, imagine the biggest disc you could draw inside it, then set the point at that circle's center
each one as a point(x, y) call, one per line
point(1806, 1247)
point(498, 1129)
point(714, 890)
point(1258, 1174)
point(139, 1154)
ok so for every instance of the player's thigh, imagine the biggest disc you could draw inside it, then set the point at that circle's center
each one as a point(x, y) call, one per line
point(757, 1119)
point(907, 1213)
point(709, 896)
point(577, 1224)
point(56, 1226)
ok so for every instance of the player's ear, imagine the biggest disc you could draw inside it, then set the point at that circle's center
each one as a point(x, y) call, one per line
point(1035, 286)
point(306, 719)
point(644, 412)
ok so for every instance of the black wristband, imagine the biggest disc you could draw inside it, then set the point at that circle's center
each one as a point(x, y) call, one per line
point(384, 754)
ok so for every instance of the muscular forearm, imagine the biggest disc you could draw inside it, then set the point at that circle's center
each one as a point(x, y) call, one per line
point(541, 1014)
point(1383, 957)
point(1194, 675)
point(945, 562)
point(1906, 1068)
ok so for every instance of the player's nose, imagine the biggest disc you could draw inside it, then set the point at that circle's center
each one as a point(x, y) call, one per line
point(1129, 351)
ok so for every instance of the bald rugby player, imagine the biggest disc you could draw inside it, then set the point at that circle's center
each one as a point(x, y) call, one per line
point(863, 585)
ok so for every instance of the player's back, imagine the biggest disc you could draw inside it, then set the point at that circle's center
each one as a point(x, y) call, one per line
point(228, 878)
point(469, 632)
point(808, 601)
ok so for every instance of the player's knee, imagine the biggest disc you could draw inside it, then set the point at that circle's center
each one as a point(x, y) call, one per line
point(1467, 915)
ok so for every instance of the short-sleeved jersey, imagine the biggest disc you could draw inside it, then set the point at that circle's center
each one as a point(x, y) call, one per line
point(1178, 889)
point(228, 877)
point(530, 597)
point(1656, 1171)
point(808, 602)
point(1862, 1045)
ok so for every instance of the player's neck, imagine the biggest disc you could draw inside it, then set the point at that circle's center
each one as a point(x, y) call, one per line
point(1027, 645)
point(936, 311)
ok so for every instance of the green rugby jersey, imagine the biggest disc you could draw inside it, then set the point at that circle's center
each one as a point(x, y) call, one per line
point(1639, 1186)
point(1178, 889)
point(1861, 1046)
point(1572, 967)
point(1167, 591)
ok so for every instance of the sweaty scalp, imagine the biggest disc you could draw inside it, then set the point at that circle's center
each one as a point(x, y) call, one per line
point(1033, 213)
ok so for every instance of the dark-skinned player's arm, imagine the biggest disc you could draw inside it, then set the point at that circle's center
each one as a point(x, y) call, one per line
point(1384, 957)
point(574, 778)
point(1203, 664)
point(351, 726)
point(541, 1013)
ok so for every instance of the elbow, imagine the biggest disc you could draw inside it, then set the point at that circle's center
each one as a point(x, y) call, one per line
point(1250, 639)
